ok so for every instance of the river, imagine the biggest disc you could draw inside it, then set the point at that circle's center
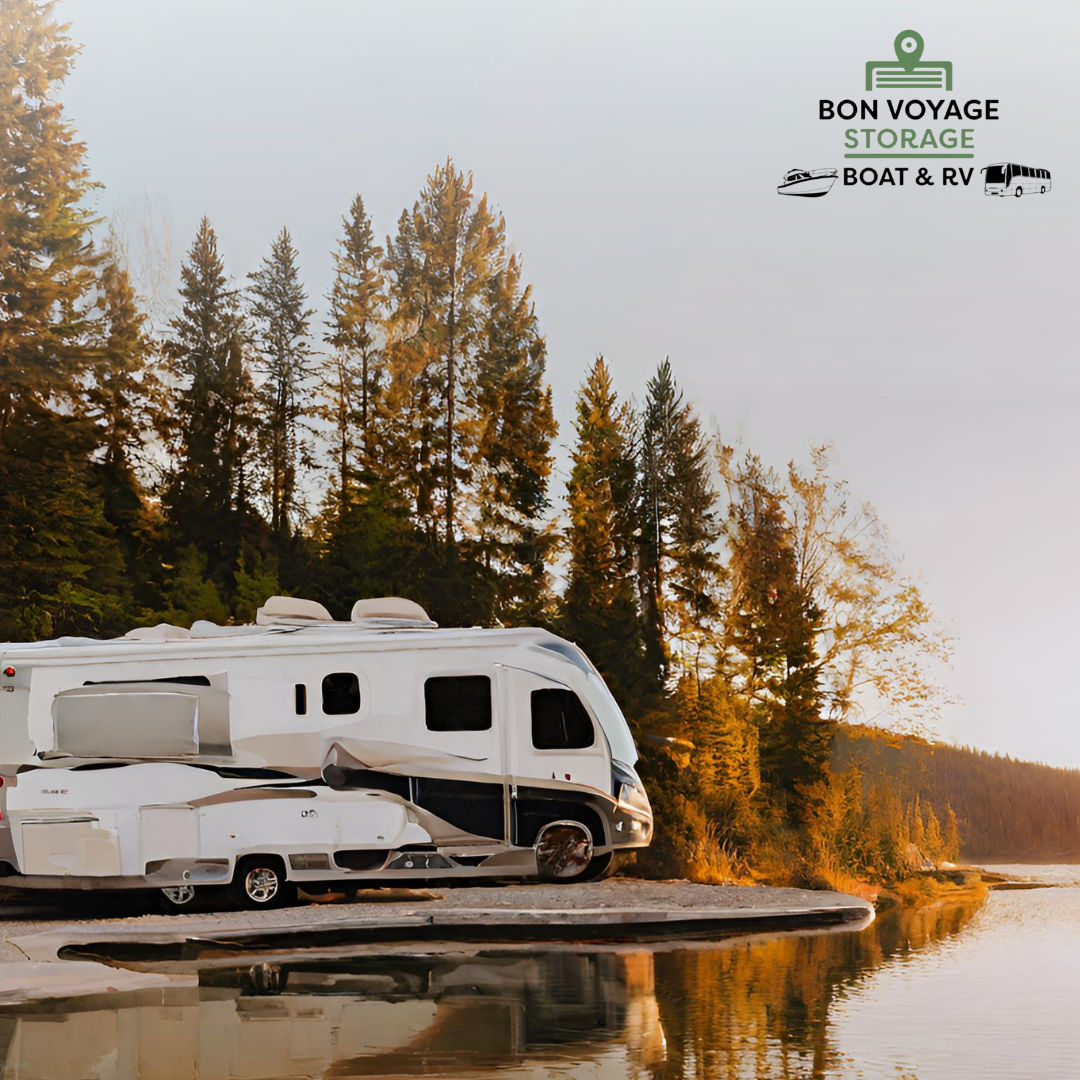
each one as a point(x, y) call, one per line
point(948, 992)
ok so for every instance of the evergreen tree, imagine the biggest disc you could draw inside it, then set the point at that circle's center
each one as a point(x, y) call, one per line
point(47, 262)
point(208, 495)
point(679, 566)
point(351, 375)
point(59, 559)
point(599, 606)
point(62, 568)
point(441, 262)
point(770, 632)
point(280, 322)
point(513, 459)
point(124, 401)
point(190, 594)
point(950, 849)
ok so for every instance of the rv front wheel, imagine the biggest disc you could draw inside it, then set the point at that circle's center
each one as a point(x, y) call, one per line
point(564, 850)
point(259, 882)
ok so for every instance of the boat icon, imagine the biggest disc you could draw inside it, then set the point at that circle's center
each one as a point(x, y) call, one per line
point(811, 183)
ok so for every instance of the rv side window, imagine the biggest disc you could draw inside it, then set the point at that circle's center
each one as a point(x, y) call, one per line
point(458, 703)
point(340, 694)
point(559, 721)
point(301, 699)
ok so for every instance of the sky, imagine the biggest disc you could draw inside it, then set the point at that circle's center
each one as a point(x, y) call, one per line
point(928, 333)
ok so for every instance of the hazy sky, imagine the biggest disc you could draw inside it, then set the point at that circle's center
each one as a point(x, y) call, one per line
point(635, 151)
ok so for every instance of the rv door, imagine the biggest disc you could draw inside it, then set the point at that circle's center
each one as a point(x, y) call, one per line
point(550, 734)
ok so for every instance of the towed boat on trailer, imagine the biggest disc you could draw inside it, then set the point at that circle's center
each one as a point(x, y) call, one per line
point(301, 751)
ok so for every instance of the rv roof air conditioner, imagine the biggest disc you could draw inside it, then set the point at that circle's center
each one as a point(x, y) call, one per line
point(161, 632)
point(391, 611)
point(291, 611)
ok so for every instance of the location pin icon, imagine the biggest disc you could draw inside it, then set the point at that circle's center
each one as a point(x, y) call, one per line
point(909, 47)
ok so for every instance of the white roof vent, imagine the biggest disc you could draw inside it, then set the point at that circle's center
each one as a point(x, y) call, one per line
point(291, 610)
point(390, 611)
point(161, 632)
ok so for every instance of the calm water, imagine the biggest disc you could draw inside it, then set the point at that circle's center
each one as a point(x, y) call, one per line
point(941, 994)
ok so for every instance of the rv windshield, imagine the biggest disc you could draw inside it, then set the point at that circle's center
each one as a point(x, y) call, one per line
point(603, 702)
point(613, 722)
point(995, 174)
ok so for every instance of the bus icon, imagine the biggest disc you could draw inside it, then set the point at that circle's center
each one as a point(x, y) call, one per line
point(1005, 178)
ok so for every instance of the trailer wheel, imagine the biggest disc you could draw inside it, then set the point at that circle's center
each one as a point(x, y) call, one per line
point(564, 851)
point(178, 898)
point(259, 882)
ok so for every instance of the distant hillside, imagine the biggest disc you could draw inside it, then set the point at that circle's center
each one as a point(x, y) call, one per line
point(1006, 808)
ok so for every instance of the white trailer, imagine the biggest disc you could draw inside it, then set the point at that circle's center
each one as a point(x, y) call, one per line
point(303, 751)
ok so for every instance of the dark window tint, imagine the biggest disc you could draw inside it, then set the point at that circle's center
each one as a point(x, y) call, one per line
point(340, 693)
point(559, 721)
point(301, 699)
point(458, 703)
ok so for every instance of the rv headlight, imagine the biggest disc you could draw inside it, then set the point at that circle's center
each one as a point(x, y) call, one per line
point(634, 795)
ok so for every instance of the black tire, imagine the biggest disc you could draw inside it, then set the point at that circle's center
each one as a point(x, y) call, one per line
point(598, 868)
point(1043, 191)
point(259, 883)
point(1019, 190)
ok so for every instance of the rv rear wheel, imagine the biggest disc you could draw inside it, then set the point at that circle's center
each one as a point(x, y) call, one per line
point(259, 882)
point(564, 851)
point(1043, 191)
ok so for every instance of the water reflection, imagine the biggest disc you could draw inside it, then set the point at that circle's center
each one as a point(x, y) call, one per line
point(756, 1007)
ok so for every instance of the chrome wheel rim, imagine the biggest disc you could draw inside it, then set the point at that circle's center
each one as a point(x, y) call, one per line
point(179, 894)
point(563, 850)
point(261, 885)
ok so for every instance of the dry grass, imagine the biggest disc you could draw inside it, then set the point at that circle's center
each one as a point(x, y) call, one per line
point(714, 861)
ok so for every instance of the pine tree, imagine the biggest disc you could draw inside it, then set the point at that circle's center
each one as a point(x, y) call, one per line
point(351, 375)
point(770, 631)
point(47, 262)
point(61, 565)
point(124, 401)
point(679, 566)
point(441, 262)
point(950, 849)
point(599, 606)
point(190, 594)
point(208, 494)
point(513, 459)
point(280, 322)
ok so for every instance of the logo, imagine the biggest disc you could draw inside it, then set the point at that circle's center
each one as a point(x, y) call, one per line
point(809, 183)
point(912, 71)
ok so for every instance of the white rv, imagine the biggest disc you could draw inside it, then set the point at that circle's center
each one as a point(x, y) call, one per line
point(303, 751)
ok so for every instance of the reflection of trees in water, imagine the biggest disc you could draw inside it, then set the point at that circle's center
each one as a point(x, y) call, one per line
point(756, 1007)
point(761, 1008)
